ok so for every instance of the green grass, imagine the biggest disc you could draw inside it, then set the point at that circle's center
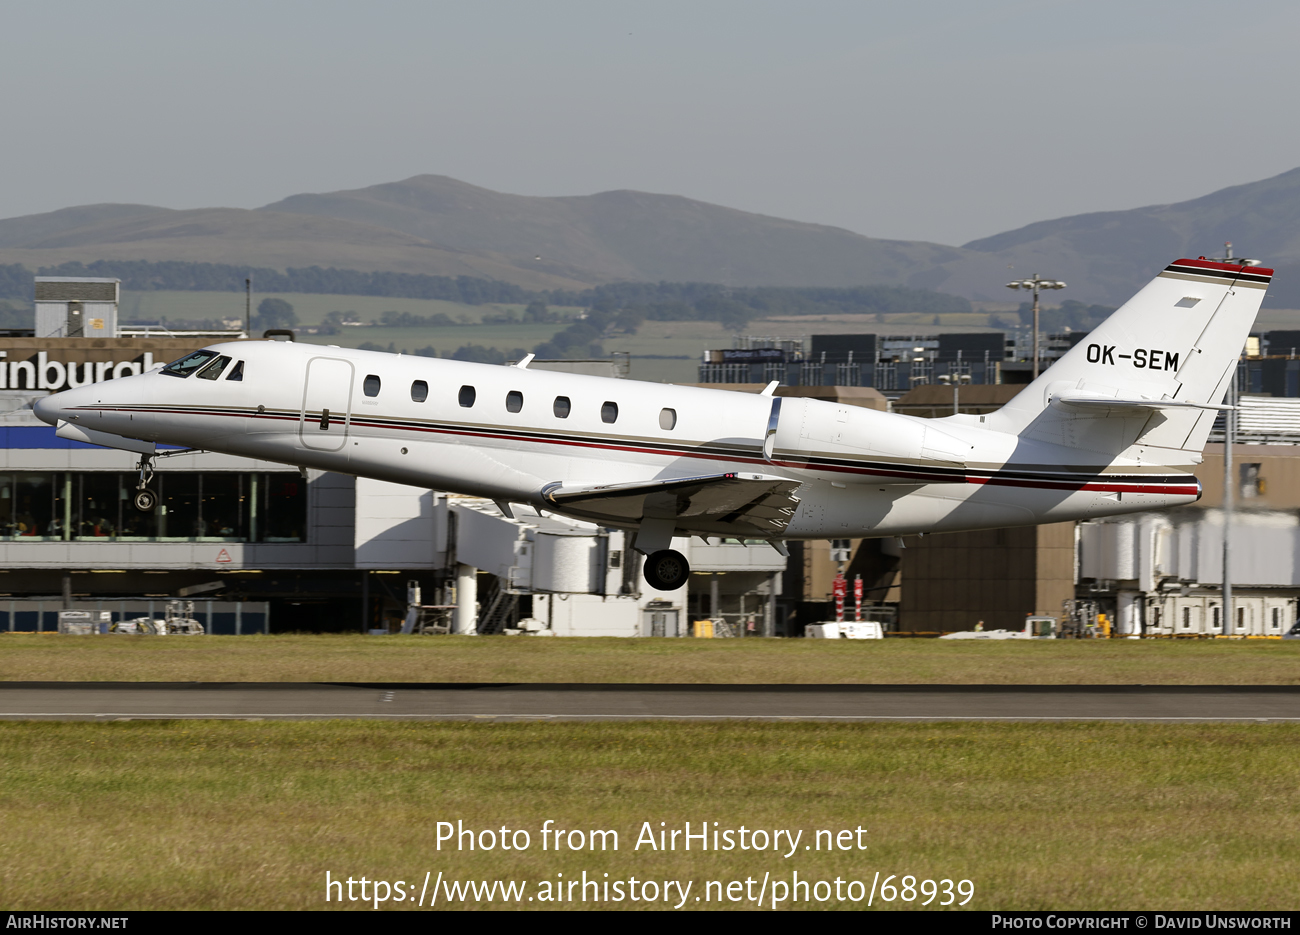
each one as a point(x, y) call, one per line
point(447, 338)
point(684, 340)
point(230, 815)
point(310, 308)
point(355, 658)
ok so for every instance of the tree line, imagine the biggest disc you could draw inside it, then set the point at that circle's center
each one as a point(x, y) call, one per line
point(146, 276)
point(671, 301)
point(663, 301)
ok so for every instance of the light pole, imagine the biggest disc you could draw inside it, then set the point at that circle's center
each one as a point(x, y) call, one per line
point(1229, 482)
point(1036, 285)
point(1229, 430)
point(956, 380)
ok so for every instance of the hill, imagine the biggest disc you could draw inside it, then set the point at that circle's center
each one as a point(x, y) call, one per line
point(628, 235)
point(241, 237)
point(434, 225)
point(1106, 255)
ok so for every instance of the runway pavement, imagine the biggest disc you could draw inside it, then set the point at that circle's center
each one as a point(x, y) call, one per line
point(532, 701)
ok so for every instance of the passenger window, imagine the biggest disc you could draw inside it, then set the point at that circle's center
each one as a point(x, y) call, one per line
point(667, 419)
point(419, 391)
point(213, 370)
point(562, 407)
point(514, 401)
point(371, 385)
point(188, 364)
point(237, 372)
point(466, 397)
point(609, 412)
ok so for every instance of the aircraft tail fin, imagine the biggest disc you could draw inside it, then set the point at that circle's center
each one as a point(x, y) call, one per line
point(1153, 373)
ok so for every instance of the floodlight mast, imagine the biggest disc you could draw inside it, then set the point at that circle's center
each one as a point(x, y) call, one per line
point(1229, 432)
point(1036, 284)
point(955, 379)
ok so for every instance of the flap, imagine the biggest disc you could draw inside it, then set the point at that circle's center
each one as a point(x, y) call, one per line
point(733, 504)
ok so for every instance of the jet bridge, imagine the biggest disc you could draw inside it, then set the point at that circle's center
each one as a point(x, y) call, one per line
point(582, 579)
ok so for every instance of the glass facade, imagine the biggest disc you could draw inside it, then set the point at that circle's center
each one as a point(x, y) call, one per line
point(192, 506)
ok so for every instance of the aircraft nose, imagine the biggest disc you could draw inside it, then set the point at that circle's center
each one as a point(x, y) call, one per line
point(58, 406)
point(49, 408)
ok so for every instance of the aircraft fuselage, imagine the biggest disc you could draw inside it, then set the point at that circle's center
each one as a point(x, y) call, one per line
point(506, 433)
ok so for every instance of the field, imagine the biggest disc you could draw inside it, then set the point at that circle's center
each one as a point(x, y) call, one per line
point(662, 351)
point(311, 308)
point(230, 815)
point(355, 658)
point(447, 338)
point(683, 340)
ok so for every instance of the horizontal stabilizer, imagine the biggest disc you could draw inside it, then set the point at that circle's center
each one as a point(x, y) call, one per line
point(106, 439)
point(1101, 405)
point(741, 505)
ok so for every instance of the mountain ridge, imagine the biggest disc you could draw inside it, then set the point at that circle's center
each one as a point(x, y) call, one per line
point(628, 235)
point(438, 225)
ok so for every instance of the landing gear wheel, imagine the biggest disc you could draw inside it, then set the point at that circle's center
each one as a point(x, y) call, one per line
point(666, 570)
point(145, 500)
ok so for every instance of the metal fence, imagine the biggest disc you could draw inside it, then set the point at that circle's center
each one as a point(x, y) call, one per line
point(882, 375)
point(41, 615)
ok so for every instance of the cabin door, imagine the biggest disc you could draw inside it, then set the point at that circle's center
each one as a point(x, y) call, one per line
point(326, 404)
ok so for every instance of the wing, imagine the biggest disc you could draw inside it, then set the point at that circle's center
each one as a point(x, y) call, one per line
point(740, 505)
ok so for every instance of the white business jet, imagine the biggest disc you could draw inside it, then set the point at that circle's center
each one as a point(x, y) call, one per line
point(1112, 427)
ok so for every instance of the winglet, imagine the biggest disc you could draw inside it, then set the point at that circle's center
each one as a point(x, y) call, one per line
point(770, 388)
point(528, 359)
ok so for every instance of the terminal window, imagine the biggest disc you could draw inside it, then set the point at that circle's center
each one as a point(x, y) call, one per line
point(192, 506)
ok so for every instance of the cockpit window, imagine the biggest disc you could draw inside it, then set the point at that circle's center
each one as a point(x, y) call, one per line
point(237, 372)
point(213, 370)
point(188, 364)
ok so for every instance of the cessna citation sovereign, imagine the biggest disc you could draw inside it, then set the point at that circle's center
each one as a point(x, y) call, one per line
point(1112, 427)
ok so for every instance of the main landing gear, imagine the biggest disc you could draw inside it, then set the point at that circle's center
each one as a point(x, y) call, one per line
point(666, 570)
point(145, 499)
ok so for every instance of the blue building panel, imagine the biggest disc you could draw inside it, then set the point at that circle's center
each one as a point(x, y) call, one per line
point(37, 436)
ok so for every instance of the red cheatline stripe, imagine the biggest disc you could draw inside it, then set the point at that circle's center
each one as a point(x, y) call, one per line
point(914, 473)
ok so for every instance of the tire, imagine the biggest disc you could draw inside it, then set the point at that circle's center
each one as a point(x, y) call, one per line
point(145, 500)
point(666, 570)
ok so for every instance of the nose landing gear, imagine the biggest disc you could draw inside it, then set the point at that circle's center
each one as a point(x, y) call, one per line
point(145, 499)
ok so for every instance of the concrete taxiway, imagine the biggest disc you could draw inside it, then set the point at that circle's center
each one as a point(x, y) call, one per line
point(539, 701)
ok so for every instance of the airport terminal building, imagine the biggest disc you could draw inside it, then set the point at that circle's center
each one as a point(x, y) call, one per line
point(267, 547)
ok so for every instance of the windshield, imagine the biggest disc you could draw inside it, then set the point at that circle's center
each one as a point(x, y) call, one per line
point(188, 364)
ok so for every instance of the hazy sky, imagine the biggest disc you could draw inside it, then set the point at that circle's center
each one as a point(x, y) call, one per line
point(941, 121)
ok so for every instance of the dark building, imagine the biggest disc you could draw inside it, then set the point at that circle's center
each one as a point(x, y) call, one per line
point(841, 348)
point(975, 346)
